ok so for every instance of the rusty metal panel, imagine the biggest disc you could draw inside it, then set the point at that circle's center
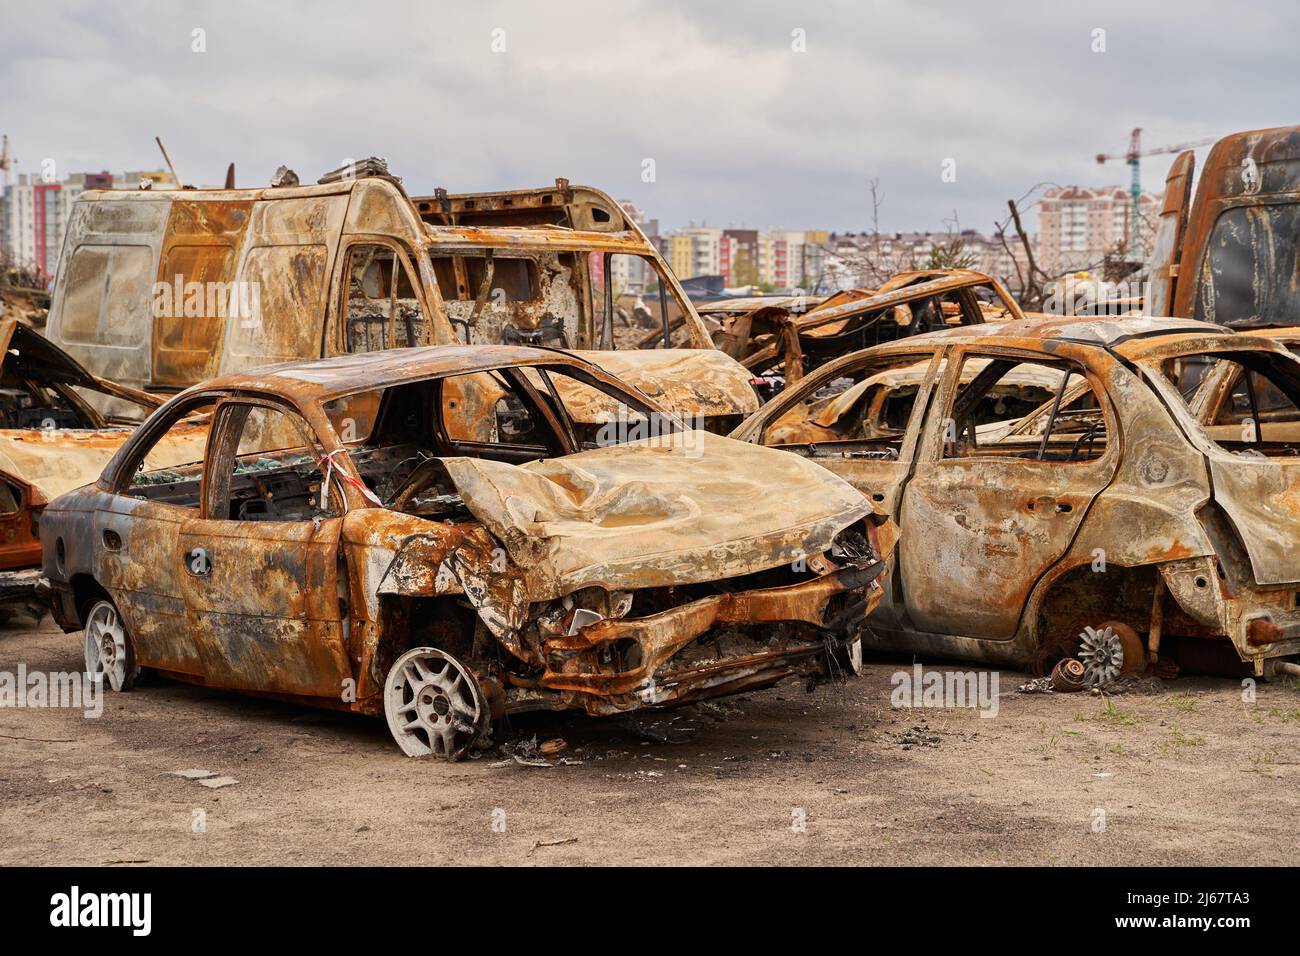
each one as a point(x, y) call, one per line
point(1167, 247)
point(201, 244)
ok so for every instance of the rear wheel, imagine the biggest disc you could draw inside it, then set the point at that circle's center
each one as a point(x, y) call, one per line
point(108, 649)
point(434, 705)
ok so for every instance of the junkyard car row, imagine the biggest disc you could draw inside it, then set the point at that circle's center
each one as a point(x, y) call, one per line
point(416, 479)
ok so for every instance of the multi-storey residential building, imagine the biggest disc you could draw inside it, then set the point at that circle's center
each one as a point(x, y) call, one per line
point(706, 250)
point(679, 253)
point(815, 276)
point(1079, 226)
point(738, 255)
point(780, 263)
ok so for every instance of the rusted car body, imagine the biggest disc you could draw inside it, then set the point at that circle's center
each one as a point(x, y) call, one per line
point(441, 581)
point(1228, 255)
point(1128, 499)
point(163, 289)
point(782, 343)
point(52, 439)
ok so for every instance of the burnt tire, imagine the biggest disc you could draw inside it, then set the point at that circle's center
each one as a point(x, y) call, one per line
point(109, 651)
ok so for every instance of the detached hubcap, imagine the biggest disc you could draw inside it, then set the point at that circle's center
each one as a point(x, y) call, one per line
point(434, 705)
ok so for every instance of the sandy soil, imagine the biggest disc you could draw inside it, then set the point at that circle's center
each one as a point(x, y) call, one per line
point(1189, 774)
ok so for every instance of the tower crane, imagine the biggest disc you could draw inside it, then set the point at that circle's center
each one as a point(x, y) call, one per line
point(1134, 159)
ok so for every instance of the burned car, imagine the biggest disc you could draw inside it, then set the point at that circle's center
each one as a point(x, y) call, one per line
point(781, 343)
point(52, 439)
point(1122, 512)
point(392, 568)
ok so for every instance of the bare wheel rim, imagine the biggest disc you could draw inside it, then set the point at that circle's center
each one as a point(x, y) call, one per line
point(434, 705)
point(105, 646)
point(1102, 654)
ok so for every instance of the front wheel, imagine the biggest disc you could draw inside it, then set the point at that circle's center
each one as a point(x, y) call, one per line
point(434, 705)
point(109, 654)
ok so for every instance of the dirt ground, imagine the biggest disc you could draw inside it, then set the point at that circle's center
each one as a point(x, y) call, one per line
point(1189, 774)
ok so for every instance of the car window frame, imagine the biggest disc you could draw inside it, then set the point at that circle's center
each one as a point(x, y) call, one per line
point(122, 467)
point(755, 430)
point(414, 277)
point(222, 432)
point(932, 444)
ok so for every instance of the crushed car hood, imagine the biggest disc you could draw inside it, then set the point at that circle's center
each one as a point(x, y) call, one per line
point(686, 382)
point(684, 508)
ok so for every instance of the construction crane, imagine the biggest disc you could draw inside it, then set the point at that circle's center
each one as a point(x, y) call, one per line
point(1134, 159)
point(6, 161)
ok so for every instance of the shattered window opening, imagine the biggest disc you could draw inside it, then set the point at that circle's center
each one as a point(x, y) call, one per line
point(999, 395)
point(512, 415)
point(383, 308)
point(176, 484)
point(275, 472)
point(862, 412)
point(1247, 403)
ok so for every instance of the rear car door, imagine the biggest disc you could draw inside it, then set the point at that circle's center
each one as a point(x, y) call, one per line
point(264, 593)
point(986, 513)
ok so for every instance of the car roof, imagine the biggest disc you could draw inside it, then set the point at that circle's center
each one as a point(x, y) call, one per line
point(1076, 330)
point(323, 379)
point(896, 291)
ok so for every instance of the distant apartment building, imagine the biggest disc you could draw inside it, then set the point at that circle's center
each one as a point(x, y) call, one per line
point(706, 250)
point(738, 256)
point(781, 262)
point(1079, 226)
point(864, 260)
point(34, 213)
point(679, 253)
point(815, 275)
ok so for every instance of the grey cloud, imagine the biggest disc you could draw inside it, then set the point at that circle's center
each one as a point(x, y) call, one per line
point(741, 128)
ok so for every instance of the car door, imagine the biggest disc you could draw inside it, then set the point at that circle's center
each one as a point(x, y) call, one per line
point(987, 512)
point(260, 566)
point(136, 531)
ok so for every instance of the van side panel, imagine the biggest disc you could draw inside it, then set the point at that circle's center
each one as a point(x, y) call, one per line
point(200, 250)
point(290, 249)
point(101, 312)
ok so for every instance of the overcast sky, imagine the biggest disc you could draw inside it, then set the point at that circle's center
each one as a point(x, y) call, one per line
point(743, 129)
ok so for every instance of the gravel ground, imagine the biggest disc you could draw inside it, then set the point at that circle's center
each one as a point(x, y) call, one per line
point(1180, 773)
